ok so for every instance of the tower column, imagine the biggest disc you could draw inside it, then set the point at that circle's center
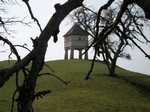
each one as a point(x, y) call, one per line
point(80, 53)
point(66, 53)
point(72, 53)
point(86, 55)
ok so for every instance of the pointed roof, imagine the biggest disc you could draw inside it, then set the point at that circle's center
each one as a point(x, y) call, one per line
point(76, 30)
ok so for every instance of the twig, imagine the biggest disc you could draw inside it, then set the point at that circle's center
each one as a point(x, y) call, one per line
point(23, 46)
point(12, 47)
point(49, 67)
point(55, 77)
point(146, 55)
point(31, 14)
point(13, 100)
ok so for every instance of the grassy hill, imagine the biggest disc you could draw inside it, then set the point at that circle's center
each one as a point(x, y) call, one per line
point(129, 92)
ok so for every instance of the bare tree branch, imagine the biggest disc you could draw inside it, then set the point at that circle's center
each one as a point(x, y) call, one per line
point(31, 14)
point(37, 56)
point(146, 55)
point(23, 46)
point(12, 47)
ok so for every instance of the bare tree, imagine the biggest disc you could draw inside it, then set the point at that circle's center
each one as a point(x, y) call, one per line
point(112, 47)
point(120, 25)
point(36, 56)
point(130, 26)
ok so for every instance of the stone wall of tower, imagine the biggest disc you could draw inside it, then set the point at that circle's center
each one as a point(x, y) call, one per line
point(76, 42)
point(76, 39)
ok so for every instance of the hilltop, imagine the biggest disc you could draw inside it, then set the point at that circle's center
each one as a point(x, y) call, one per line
point(128, 92)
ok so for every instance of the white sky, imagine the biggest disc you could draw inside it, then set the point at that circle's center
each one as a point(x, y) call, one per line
point(43, 10)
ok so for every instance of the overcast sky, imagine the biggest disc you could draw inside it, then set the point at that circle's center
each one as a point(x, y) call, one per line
point(43, 10)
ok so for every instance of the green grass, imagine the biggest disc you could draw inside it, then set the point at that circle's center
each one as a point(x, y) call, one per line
point(129, 92)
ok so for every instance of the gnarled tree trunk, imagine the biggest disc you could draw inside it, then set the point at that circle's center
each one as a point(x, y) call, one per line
point(27, 91)
point(37, 55)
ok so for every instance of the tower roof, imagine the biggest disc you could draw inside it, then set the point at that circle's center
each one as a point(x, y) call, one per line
point(76, 30)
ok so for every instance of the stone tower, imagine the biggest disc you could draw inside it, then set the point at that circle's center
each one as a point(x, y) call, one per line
point(76, 39)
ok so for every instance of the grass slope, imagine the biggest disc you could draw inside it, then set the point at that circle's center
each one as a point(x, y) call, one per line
point(129, 92)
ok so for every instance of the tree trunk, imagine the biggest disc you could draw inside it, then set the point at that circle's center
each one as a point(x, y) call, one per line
point(113, 67)
point(27, 90)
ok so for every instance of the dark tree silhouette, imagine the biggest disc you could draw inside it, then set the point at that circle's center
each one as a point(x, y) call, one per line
point(108, 30)
point(112, 47)
point(36, 56)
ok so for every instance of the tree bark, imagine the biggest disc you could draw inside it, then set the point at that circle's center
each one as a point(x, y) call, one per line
point(113, 67)
point(37, 55)
point(27, 91)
